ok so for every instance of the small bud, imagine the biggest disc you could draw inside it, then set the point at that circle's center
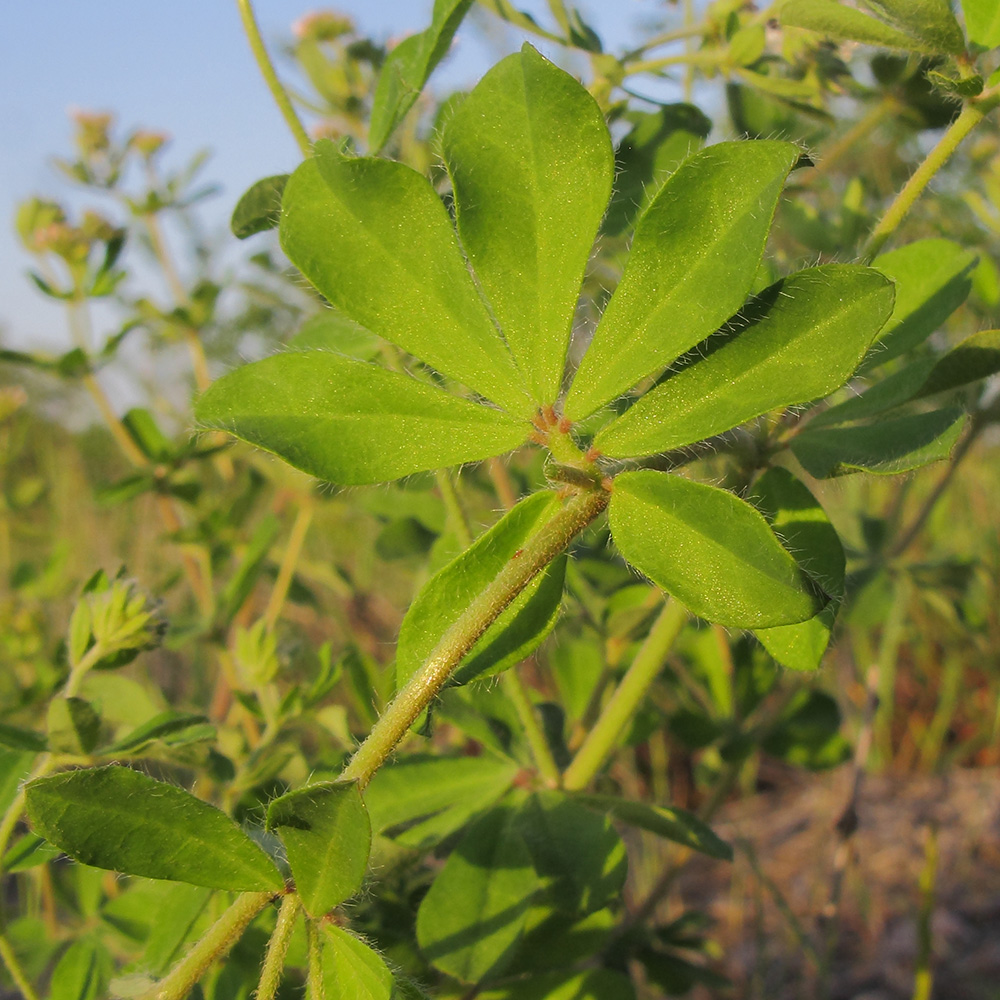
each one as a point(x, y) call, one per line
point(123, 621)
point(93, 130)
point(256, 654)
point(148, 143)
point(322, 26)
point(34, 216)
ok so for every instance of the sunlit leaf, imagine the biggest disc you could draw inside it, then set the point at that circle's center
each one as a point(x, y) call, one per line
point(531, 163)
point(692, 262)
point(797, 341)
point(709, 549)
point(350, 422)
point(116, 818)
point(374, 237)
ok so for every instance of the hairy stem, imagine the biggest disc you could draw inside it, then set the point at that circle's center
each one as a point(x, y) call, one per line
point(972, 114)
point(221, 936)
point(628, 696)
point(575, 514)
point(277, 948)
point(266, 67)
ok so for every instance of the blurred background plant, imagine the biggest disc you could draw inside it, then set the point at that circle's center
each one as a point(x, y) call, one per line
point(206, 611)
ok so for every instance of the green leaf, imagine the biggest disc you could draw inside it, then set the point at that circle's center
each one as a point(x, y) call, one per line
point(15, 738)
point(982, 22)
point(805, 530)
point(259, 207)
point(241, 583)
point(932, 279)
point(797, 341)
point(116, 818)
point(656, 146)
point(73, 726)
point(709, 549)
point(833, 19)
point(594, 984)
point(691, 265)
point(577, 852)
point(83, 972)
point(330, 331)
point(972, 359)
point(374, 237)
point(168, 727)
point(672, 824)
point(28, 851)
point(352, 970)
point(353, 423)
point(327, 837)
point(808, 732)
point(890, 446)
point(177, 912)
point(531, 164)
point(474, 913)
point(977, 357)
point(407, 68)
point(930, 21)
point(444, 598)
point(451, 788)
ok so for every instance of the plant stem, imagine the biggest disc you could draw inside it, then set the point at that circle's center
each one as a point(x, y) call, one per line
point(924, 979)
point(277, 948)
point(858, 131)
point(17, 974)
point(453, 507)
point(296, 539)
point(909, 536)
point(221, 936)
point(537, 743)
point(539, 550)
point(315, 989)
point(972, 114)
point(267, 71)
point(628, 696)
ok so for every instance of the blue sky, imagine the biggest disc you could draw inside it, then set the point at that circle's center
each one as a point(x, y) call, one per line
point(183, 67)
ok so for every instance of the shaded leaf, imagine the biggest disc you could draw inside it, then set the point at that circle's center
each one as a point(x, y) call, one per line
point(805, 530)
point(350, 422)
point(531, 164)
point(932, 279)
point(446, 596)
point(28, 851)
point(692, 262)
point(407, 68)
point(577, 851)
point(677, 825)
point(352, 970)
point(709, 549)
point(594, 984)
point(15, 738)
point(474, 913)
point(83, 972)
point(116, 818)
point(374, 237)
point(833, 19)
point(982, 22)
point(259, 207)
point(327, 837)
point(797, 341)
point(930, 21)
point(896, 444)
point(417, 787)
point(168, 726)
point(331, 331)
point(73, 726)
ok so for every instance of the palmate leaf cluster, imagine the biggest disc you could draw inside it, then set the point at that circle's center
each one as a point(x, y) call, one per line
point(455, 325)
point(488, 304)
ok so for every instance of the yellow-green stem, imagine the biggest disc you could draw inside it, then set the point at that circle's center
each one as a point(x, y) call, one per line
point(277, 948)
point(315, 989)
point(296, 539)
point(972, 114)
point(575, 514)
point(17, 973)
point(628, 696)
point(453, 507)
point(221, 936)
point(266, 67)
point(537, 743)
